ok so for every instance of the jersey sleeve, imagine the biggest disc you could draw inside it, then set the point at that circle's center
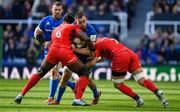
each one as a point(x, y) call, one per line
point(92, 34)
point(97, 53)
point(97, 50)
point(41, 24)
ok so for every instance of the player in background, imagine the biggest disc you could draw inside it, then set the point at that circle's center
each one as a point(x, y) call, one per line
point(61, 51)
point(43, 34)
point(125, 60)
point(81, 21)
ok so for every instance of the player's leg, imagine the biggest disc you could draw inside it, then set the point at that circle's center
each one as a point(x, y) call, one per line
point(79, 68)
point(120, 64)
point(118, 79)
point(137, 72)
point(45, 67)
point(93, 87)
point(53, 82)
point(62, 86)
point(139, 77)
point(68, 74)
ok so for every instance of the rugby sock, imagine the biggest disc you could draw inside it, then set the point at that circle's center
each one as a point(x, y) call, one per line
point(81, 86)
point(127, 90)
point(95, 92)
point(149, 85)
point(136, 98)
point(60, 93)
point(71, 84)
point(53, 84)
point(31, 82)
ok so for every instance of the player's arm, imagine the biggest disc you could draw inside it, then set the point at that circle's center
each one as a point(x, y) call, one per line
point(38, 33)
point(83, 37)
point(91, 63)
point(83, 51)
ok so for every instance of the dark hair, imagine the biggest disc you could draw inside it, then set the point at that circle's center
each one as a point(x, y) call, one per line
point(79, 14)
point(57, 3)
point(69, 18)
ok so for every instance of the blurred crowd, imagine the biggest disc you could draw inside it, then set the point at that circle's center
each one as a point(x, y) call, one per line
point(94, 9)
point(18, 43)
point(164, 7)
point(163, 47)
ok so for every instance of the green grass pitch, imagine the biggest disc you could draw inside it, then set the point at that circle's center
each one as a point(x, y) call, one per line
point(111, 99)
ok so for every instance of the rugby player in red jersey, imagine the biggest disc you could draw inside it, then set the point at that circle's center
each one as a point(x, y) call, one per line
point(125, 60)
point(60, 50)
point(81, 22)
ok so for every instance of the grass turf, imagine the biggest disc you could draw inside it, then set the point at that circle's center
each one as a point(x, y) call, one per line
point(111, 99)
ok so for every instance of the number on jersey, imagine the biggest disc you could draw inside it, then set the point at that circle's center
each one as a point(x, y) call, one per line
point(58, 34)
point(115, 41)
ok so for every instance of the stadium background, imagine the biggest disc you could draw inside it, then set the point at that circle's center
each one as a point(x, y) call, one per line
point(153, 33)
point(150, 27)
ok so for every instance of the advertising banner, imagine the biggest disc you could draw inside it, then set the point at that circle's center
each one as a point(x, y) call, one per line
point(155, 73)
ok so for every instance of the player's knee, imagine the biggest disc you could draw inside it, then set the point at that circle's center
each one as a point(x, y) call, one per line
point(91, 83)
point(139, 77)
point(83, 72)
point(117, 82)
point(67, 71)
point(54, 73)
point(66, 77)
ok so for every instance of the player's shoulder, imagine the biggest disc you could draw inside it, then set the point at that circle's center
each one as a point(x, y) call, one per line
point(67, 26)
point(101, 39)
point(89, 26)
point(46, 18)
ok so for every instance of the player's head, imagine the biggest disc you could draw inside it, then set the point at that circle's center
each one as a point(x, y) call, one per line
point(57, 9)
point(81, 20)
point(68, 18)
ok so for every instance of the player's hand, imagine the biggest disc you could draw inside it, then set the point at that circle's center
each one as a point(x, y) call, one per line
point(93, 61)
point(100, 59)
point(91, 56)
point(47, 44)
point(73, 47)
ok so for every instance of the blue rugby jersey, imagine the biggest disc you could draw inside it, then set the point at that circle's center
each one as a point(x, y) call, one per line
point(91, 32)
point(47, 25)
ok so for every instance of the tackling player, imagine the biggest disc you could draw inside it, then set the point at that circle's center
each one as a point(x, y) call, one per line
point(81, 21)
point(60, 51)
point(125, 60)
point(43, 34)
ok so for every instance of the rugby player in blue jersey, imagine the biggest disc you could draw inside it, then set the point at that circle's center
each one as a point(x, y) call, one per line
point(81, 21)
point(43, 34)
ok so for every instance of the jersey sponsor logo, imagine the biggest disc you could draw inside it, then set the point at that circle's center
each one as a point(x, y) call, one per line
point(48, 27)
point(53, 28)
point(48, 30)
point(71, 60)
